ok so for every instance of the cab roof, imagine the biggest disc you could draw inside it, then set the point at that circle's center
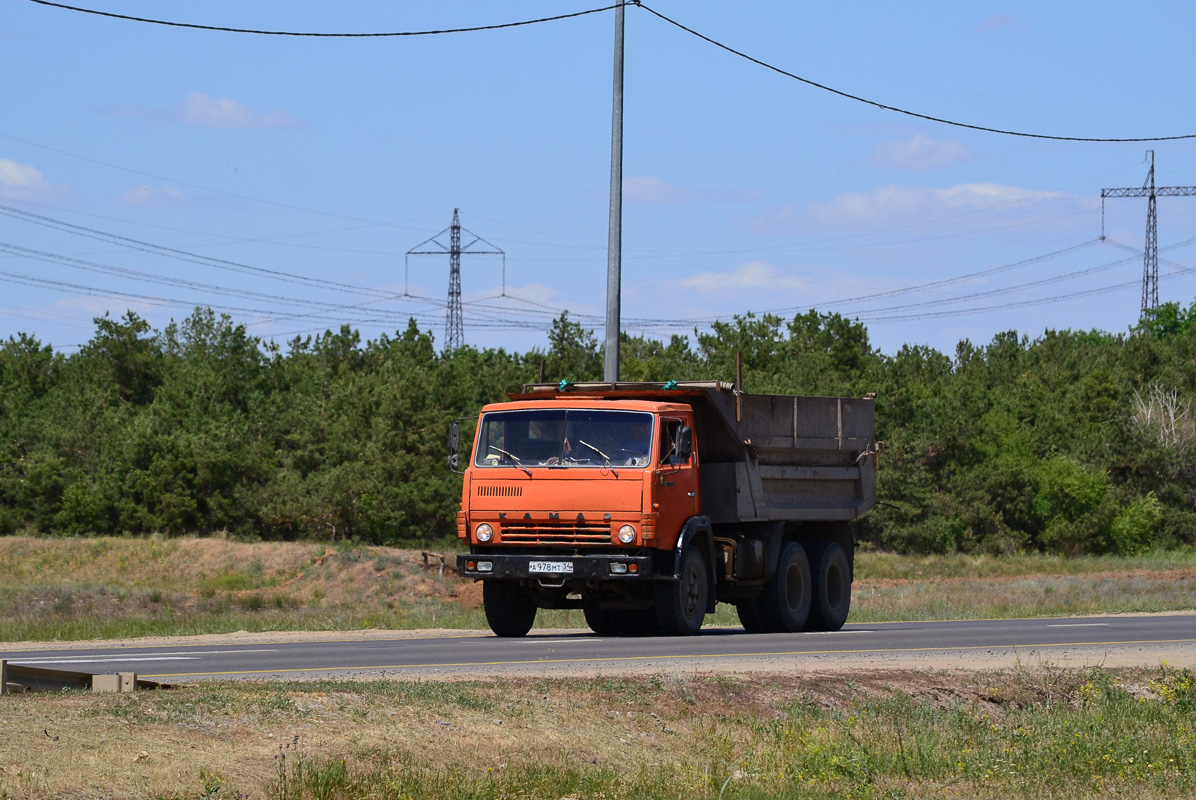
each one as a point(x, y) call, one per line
point(584, 401)
point(675, 391)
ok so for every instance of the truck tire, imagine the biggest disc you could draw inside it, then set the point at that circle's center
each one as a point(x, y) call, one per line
point(681, 604)
point(750, 616)
point(832, 588)
point(633, 622)
point(508, 611)
point(785, 600)
point(600, 621)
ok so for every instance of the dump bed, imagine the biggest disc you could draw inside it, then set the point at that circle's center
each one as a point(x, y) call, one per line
point(764, 456)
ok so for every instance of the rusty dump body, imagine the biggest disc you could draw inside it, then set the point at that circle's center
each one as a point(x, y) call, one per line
point(647, 503)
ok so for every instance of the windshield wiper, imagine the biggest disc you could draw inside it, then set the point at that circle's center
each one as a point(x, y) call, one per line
point(514, 458)
point(605, 457)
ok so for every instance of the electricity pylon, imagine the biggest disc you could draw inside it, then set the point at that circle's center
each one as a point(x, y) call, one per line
point(454, 323)
point(1150, 259)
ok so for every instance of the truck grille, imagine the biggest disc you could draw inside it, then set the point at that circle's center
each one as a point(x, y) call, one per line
point(500, 491)
point(556, 533)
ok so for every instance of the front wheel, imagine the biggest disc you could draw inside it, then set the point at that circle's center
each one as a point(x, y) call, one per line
point(832, 588)
point(681, 604)
point(509, 611)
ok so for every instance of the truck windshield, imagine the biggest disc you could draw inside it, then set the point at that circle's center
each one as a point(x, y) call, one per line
point(564, 438)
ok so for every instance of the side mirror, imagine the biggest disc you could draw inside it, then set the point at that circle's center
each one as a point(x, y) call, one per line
point(685, 442)
point(454, 442)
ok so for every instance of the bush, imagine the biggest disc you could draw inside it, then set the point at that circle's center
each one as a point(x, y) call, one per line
point(1136, 527)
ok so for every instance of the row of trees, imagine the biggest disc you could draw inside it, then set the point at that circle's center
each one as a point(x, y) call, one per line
point(1072, 442)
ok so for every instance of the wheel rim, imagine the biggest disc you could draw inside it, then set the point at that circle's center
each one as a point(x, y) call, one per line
point(692, 602)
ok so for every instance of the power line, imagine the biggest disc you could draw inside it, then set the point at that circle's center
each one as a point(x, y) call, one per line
point(885, 107)
point(220, 239)
point(319, 35)
point(675, 23)
point(1002, 307)
point(183, 255)
point(182, 283)
point(929, 285)
point(963, 298)
point(498, 317)
point(144, 174)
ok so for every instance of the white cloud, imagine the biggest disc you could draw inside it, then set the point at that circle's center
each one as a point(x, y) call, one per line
point(1004, 22)
point(537, 297)
point(756, 275)
point(23, 177)
point(900, 204)
point(150, 196)
point(919, 153)
point(200, 110)
point(25, 182)
point(533, 292)
point(647, 190)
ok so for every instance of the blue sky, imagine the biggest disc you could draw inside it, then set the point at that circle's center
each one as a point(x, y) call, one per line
point(283, 179)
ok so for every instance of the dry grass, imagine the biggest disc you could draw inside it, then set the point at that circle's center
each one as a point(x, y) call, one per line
point(88, 588)
point(77, 588)
point(890, 587)
point(1032, 732)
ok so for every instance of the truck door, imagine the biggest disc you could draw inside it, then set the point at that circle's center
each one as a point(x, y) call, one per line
point(676, 489)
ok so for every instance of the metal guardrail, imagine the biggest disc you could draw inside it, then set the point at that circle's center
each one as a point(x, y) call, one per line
point(16, 678)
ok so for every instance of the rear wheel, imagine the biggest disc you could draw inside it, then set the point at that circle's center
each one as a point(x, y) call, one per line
point(785, 601)
point(600, 621)
point(832, 588)
point(750, 616)
point(508, 610)
point(681, 604)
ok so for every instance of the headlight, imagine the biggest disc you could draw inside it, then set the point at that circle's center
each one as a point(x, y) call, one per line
point(484, 532)
point(627, 534)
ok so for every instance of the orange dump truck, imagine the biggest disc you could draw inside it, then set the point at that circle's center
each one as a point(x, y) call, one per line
point(645, 504)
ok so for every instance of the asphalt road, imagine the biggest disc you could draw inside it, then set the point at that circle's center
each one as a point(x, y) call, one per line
point(1113, 641)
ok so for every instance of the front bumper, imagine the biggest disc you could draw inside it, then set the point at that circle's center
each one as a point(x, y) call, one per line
point(583, 567)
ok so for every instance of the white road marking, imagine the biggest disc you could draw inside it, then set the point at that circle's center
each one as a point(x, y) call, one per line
point(103, 660)
point(191, 656)
point(1079, 625)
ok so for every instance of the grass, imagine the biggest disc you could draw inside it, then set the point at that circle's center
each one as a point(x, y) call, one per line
point(872, 565)
point(889, 587)
point(1034, 731)
point(112, 587)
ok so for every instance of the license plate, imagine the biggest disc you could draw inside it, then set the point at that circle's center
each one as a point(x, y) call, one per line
point(555, 567)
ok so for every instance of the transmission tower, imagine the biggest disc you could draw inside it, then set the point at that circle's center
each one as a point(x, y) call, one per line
point(1150, 258)
point(454, 323)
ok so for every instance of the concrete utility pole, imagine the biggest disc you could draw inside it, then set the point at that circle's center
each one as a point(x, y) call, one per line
point(614, 247)
point(1150, 259)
